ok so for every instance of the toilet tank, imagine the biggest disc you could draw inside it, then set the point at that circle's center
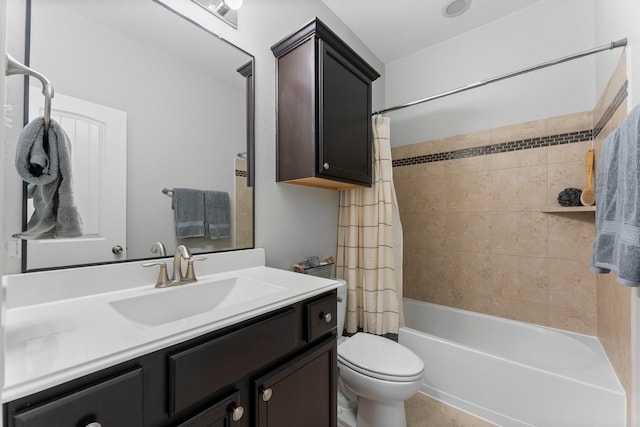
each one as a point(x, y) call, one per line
point(342, 306)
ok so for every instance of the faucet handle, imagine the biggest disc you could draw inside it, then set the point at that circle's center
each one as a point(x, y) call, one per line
point(191, 273)
point(163, 277)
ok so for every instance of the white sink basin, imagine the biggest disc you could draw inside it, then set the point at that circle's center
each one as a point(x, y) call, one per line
point(166, 305)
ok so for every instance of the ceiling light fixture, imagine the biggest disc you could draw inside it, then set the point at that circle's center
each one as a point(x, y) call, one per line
point(223, 9)
point(455, 8)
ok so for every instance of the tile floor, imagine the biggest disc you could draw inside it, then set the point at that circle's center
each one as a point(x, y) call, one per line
point(423, 411)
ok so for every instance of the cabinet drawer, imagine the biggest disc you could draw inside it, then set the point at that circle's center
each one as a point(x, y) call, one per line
point(200, 371)
point(221, 414)
point(114, 402)
point(321, 317)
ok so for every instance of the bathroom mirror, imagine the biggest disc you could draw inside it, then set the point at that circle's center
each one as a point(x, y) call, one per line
point(151, 102)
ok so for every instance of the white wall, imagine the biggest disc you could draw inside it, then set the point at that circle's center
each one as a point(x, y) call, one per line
point(3, 51)
point(545, 31)
point(291, 222)
point(616, 19)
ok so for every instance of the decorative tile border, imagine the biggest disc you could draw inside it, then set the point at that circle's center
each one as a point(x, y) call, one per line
point(522, 144)
point(241, 173)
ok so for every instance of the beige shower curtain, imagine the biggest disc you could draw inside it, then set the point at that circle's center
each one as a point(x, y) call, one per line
point(370, 246)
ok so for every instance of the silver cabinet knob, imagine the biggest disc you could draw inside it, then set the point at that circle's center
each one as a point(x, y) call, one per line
point(325, 166)
point(237, 413)
point(327, 317)
point(94, 425)
point(266, 394)
point(117, 250)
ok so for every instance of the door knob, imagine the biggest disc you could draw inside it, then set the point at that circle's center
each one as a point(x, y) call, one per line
point(117, 250)
point(327, 317)
point(325, 166)
point(266, 394)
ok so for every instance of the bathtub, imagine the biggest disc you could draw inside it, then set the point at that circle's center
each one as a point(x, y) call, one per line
point(512, 373)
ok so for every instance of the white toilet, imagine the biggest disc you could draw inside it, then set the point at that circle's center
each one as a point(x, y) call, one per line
point(376, 376)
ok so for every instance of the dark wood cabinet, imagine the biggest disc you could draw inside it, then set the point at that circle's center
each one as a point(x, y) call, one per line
point(209, 380)
point(324, 136)
point(283, 396)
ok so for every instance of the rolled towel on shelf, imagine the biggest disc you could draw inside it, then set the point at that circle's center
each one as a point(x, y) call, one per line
point(47, 169)
point(188, 205)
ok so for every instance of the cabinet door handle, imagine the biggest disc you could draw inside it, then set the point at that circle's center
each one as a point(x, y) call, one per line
point(325, 166)
point(237, 413)
point(94, 424)
point(327, 317)
point(266, 394)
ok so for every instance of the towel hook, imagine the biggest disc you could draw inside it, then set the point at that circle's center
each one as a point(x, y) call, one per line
point(16, 67)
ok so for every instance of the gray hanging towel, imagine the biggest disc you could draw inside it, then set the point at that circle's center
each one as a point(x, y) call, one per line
point(217, 215)
point(617, 243)
point(47, 170)
point(188, 206)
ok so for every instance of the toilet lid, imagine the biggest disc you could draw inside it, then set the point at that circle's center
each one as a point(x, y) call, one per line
point(379, 357)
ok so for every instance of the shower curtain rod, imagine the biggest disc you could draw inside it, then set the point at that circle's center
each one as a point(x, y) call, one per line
point(609, 46)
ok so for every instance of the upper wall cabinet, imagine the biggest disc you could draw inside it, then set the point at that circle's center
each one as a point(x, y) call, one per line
point(324, 111)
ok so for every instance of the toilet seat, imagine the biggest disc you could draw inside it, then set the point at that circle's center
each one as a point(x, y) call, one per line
point(381, 358)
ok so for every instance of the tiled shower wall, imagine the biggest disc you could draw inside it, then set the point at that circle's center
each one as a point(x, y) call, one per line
point(614, 299)
point(476, 233)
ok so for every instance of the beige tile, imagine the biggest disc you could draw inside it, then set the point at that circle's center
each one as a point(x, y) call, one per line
point(565, 175)
point(575, 152)
point(518, 131)
point(472, 301)
point(519, 189)
point(521, 278)
point(468, 232)
point(569, 123)
point(474, 139)
point(523, 311)
point(468, 192)
point(471, 272)
point(425, 269)
point(423, 195)
point(582, 322)
point(520, 158)
point(572, 285)
point(424, 230)
point(571, 235)
point(423, 411)
point(468, 165)
point(519, 233)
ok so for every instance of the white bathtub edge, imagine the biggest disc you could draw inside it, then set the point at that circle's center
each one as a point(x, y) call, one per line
point(476, 411)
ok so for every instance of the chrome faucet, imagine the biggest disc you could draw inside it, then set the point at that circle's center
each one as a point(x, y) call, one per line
point(182, 252)
point(159, 248)
point(177, 277)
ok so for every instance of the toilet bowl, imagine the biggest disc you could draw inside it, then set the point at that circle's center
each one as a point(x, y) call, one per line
point(380, 373)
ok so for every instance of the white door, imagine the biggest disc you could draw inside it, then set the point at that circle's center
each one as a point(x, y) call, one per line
point(98, 137)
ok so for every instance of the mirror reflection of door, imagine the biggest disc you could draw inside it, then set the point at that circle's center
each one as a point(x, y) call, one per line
point(98, 136)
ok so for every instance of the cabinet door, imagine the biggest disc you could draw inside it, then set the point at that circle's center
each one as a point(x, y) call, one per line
point(345, 140)
point(222, 414)
point(301, 393)
point(114, 402)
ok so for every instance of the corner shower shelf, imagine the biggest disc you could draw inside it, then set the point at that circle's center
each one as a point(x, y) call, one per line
point(571, 209)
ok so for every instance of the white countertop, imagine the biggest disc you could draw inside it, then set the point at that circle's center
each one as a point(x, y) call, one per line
point(54, 340)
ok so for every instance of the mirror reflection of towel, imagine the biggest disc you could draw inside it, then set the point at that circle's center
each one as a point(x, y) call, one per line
point(188, 205)
point(48, 173)
point(217, 215)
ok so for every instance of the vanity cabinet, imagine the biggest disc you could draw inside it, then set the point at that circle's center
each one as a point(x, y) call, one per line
point(283, 395)
point(324, 136)
point(112, 402)
point(210, 380)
